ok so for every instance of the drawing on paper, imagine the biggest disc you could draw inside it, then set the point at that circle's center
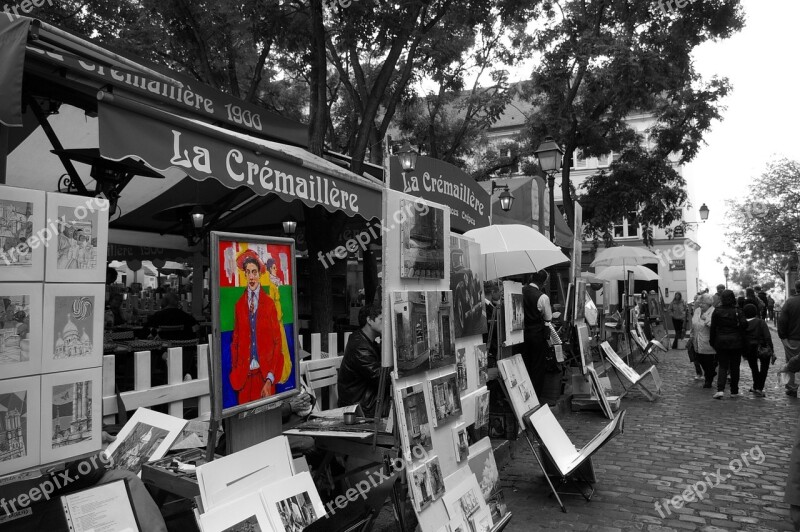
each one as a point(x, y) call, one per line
point(297, 512)
point(15, 322)
point(72, 413)
point(74, 318)
point(13, 425)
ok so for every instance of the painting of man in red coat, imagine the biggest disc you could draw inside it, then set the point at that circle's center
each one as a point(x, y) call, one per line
point(256, 346)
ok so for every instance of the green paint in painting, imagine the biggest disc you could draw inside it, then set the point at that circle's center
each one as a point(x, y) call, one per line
point(229, 296)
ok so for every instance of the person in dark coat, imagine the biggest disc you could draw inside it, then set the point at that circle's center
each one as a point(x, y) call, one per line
point(538, 313)
point(727, 339)
point(360, 373)
point(756, 335)
point(789, 333)
point(762, 296)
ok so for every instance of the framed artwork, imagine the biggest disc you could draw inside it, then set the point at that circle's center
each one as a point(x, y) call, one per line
point(242, 515)
point(466, 283)
point(73, 327)
point(514, 312)
point(482, 356)
point(421, 490)
point(484, 466)
point(147, 436)
point(460, 442)
point(22, 249)
point(416, 428)
point(295, 505)
point(445, 399)
point(481, 409)
point(71, 413)
point(20, 329)
point(20, 423)
point(421, 242)
point(423, 336)
point(585, 349)
point(77, 251)
point(255, 355)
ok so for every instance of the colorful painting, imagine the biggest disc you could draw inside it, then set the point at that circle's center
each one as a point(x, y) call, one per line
point(445, 398)
point(71, 406)
point(466, 283)
point(423, 332)
point(73, 327)
point(22, 254)
point(421, 242)
point(255, 285)
point(20, 329)
point(19, 424)
point(77, 250)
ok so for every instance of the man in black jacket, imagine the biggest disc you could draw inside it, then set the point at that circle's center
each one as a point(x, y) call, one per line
point(789, 333)
point(359, 375)
point(536, 305)
point(727, 338)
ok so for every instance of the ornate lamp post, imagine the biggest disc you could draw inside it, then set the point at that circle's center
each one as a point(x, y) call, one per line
point(506, 198)
point(549, 155)
point(726, 271)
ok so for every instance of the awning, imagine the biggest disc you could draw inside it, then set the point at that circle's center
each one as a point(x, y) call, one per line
point(13, 37)
point(166, 141)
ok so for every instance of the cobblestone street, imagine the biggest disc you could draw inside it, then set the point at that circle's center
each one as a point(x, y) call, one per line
point(668, 445)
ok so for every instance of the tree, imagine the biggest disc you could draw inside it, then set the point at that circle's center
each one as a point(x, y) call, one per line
point(603, 61)
point(764, 228)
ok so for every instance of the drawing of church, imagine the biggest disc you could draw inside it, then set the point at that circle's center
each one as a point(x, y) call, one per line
point(69, 344)
point(75, 426)
point(12, 440)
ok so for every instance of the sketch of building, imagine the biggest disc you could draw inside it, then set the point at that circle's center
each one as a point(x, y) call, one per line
point(12, 429)
point(15, 228)
point(15, 316)
point(72, 413)
point(70, 342)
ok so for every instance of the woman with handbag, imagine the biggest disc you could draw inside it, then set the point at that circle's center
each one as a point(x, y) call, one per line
point(678, 312)
point(758, 348)
point(700, 340)
point(727, 338)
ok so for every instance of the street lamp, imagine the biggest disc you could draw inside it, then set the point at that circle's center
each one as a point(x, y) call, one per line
point(506, 198)
point(549, 156)
point(408, 157)
point(704, 212)
point(726, 271)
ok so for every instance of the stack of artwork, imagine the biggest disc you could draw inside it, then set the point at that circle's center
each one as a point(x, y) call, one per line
point(52, 270)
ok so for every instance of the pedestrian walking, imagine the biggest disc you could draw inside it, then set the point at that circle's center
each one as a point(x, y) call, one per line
point(758, 348)
point(762, 297)
point(727, 339)
point(718, 295)
point(679, 313)
point(789, 333)
point(770, 308)
point(752, 298)
point(700, 339)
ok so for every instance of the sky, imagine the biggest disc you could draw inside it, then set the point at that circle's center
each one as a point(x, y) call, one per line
point(760, 121)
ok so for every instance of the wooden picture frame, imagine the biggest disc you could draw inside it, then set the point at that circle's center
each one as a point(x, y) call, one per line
point(21, 334)
point(237, 384)
point(73, 327)
point(72, 404)
point(77, 252)
point(20, 417)
point(24, 235)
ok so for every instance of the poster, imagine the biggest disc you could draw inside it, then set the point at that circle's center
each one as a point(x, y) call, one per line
point(76, 253)
point(20, 329)
point(73, 327)
point(20, 415)
point(254, 285)
point(466, 283)
point(20, 211)
point(422, 245)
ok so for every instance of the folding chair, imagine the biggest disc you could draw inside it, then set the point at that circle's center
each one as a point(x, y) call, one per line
point(554, 442)
point(626, 373)
point(647, 348)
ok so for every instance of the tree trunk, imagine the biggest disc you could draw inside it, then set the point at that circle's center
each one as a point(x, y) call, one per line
point(319, 82)
point(566, 193)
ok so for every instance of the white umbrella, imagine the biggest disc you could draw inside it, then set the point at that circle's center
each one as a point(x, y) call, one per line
point(620, 273)
point(624, 255)
point(515, 249)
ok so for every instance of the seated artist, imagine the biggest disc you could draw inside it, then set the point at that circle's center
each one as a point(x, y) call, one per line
point(172, 316)
point(359, 375)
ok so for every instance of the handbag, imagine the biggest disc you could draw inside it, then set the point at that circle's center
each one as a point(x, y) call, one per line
point(764, 351)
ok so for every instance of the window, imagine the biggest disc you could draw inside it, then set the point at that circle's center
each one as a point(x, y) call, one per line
point(628, 227)
point(578, 161)
point(602, 161)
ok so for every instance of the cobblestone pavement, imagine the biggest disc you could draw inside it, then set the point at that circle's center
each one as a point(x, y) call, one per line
point(682, 439)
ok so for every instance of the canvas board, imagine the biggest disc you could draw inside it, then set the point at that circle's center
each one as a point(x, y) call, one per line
point(20, 423)
point(462, 371)
point(514, 312)
point(422, 246)
point(619, 364)
point(147, 436)
point(585, 349)
point(293, 504)
point(21, 330)
point(464, 500)
point(413, 416)
point(246, 514)
point(580, 300)
point(22, 251)
point(77, 253)
point(73, 327)
point(481, 409)
point(466, 284)
point(229, 477)
point(441, 332)
point(423, 336)
point(72, 420)
point(253, 276)
point(445, 399)
point(460, 442)
point(600, 393)
point(436, 477)
point(419, 479)
point(518, 385)
point(484, 466)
